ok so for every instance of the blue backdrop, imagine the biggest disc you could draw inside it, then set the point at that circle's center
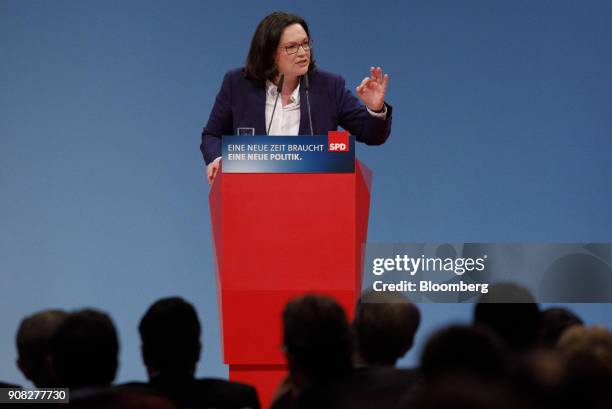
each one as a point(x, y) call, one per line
point(502, 132)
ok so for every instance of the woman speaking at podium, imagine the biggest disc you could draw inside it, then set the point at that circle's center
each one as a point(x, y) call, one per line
point(280, 67)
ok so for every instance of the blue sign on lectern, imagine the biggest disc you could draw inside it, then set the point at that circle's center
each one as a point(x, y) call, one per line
point(333, 153)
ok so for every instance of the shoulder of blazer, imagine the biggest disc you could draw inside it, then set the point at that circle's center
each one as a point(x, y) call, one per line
point(238, 81)
point(326, 79)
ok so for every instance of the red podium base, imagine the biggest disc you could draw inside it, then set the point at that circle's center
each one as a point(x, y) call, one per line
point(276, 237)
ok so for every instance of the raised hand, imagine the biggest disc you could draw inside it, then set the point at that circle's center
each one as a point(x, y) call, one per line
point(372, 89)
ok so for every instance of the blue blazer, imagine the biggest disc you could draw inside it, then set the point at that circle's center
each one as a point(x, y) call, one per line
point(242, 103)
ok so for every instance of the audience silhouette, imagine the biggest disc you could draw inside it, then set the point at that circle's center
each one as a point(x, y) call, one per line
point(385, 325)
point(512, 356)
point(170, 334)
point(588, 356)
point(84, 350)
point(317, 344)
point(84, 357)
point(554, 321)
point(463, 349)
point(384, 328)
point(33, 341)
point(511, 312)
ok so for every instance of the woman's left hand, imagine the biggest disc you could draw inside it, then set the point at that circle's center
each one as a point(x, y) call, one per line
point(372, 89)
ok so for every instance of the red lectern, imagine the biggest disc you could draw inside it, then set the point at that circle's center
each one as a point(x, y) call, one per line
point(278, 236)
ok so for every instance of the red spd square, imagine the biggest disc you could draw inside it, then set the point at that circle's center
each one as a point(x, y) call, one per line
point(338, 141)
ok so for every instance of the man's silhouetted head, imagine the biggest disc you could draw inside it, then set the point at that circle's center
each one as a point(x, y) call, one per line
point(170, 335)
point(33, 345)
point(316, 339)
point(511, 312)
point(587, 352)
point(384, 326)
point(85, 349)
point(554, 321)
point(462, 349)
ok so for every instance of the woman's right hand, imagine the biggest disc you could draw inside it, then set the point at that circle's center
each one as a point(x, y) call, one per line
point(211, 170)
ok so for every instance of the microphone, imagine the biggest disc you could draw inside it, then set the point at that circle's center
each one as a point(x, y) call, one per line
point(306, 85)
point(278, 92)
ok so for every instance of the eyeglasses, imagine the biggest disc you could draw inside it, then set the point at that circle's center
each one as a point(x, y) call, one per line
point(292, 49)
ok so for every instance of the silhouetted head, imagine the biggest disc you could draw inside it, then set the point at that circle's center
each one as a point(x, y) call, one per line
point(33, 340)
point(537, 377)
point(384, 326)
point(316, 339)
point(170, 335)
point(553, 322)
point(588, 356)
point(511, 312)
point(587, 345)
point(463, 349)
point(85, 349)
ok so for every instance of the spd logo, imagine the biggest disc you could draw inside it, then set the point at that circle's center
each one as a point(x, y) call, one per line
point(338, 141)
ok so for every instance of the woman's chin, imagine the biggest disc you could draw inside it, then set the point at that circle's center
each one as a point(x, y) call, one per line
point(302, 71)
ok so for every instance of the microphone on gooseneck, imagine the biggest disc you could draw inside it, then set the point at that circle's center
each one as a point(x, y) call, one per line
point(278, 92)
point(306, 87)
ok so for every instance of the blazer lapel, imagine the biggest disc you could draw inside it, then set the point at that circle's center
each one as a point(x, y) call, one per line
point(260, 112)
